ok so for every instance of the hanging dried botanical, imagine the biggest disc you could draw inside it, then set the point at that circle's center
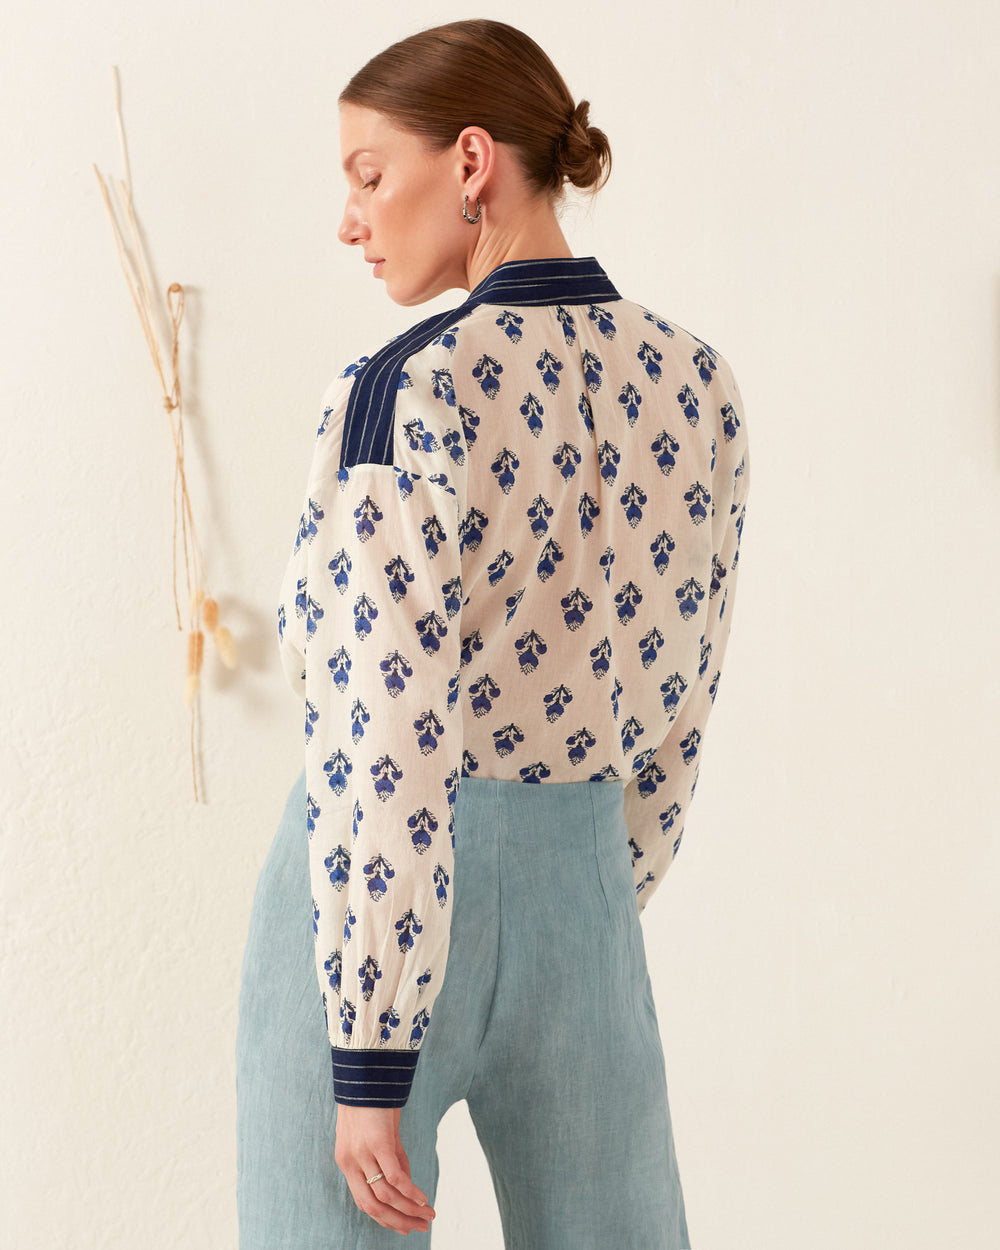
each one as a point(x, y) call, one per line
point(202, 608)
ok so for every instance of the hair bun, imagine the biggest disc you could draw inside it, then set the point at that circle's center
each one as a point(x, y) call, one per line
point(584, 154)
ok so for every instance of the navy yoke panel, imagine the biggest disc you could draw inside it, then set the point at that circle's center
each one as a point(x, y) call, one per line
point(371, 409)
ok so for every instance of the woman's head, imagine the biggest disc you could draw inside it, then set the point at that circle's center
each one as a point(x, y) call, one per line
point(482, 73)
point(472, 108)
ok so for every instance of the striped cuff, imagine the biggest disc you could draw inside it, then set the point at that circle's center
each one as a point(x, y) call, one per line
point(373, 1078)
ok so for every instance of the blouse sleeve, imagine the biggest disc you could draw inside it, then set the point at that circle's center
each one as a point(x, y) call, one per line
point(657, 800)
point(380, 593)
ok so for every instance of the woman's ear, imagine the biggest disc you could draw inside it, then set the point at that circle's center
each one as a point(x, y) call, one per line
point(476, 153)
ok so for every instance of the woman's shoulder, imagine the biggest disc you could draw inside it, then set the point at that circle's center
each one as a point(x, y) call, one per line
point(662, 341)
point(372, 385)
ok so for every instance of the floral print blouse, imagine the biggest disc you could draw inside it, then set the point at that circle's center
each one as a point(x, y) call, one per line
point(517, 560)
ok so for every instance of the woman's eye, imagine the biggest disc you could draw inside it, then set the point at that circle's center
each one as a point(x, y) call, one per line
point(372, 183)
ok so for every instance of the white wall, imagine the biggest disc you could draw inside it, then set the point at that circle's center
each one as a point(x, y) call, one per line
point(814, 190)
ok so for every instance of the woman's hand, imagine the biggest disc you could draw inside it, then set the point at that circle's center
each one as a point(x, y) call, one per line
point(368, 1143)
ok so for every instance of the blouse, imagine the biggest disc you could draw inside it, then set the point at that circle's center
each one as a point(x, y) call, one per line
point(516, 560)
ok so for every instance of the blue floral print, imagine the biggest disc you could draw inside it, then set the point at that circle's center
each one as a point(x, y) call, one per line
point(516, 558)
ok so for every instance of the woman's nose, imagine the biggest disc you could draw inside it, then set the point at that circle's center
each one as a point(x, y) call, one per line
point(353, 228)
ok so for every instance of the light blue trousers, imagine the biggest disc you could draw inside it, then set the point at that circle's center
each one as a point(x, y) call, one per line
point(545, 1025)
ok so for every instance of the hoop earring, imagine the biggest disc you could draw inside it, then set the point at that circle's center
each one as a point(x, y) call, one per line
point(479, 211)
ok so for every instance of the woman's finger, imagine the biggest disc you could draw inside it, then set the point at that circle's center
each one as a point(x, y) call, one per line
point(396, 1173)
point(391, 1197)
point(393, 1188)
point(386, 1204)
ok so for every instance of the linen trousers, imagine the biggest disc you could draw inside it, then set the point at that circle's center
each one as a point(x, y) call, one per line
point(545, 1024)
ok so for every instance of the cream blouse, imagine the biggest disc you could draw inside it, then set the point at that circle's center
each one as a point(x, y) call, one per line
point(517, 560)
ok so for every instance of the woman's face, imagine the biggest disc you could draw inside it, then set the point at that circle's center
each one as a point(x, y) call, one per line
point(404, 207)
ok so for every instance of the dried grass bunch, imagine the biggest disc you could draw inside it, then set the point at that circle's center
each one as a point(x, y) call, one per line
point(203, 609)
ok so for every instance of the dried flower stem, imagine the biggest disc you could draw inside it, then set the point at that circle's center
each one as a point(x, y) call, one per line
point(185, 534)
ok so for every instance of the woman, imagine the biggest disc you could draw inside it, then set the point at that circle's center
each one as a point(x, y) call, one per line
point(506, 608)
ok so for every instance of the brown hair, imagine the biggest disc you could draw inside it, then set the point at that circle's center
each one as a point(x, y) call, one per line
point(483, 73)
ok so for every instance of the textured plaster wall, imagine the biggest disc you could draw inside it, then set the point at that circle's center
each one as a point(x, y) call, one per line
point(814, 190)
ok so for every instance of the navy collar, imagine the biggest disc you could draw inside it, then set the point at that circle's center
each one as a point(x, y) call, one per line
point(369, 421)
point(562, 280)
